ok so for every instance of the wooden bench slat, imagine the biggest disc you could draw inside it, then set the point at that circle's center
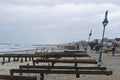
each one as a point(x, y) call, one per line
point(74, 51)
point(91, 61)
point(66, 55)
point(61, 67)
point(88, 72)
point(10, 77)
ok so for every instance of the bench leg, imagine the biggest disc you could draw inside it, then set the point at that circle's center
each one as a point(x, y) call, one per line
point(13, 58)
point(32, 58)
point(25, 59)
point(33, 63)
point(41, 76)
point(75, 64)
point(11, 73)
point(8, 59)
point(21, 60)
point(77, 76)
point(29, 58)
point(3, 60)
point(53, 63)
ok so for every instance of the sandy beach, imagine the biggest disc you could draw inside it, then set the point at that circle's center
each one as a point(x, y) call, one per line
point(109, 61)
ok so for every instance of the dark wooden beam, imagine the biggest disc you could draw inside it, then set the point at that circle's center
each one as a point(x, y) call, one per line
point(9, 77)
point(60, 67)
point(87, 72)
point(88, 61)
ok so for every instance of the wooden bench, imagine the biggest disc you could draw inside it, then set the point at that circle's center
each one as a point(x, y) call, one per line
point(16, 57)
point(60, 67)
point(77, 72)
point(11, 77)
point(75, 61)
point(59, 55)
point(74, 51)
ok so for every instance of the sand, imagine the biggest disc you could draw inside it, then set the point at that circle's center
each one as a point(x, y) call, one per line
point(109, 61)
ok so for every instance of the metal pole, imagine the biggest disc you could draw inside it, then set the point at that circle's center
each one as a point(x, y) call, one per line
point(101, 49)
point(105, 22)
point(89, 39)
point(89, 35)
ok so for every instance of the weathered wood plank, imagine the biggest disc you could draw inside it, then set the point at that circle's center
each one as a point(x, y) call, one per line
point(60, 67)
point(88, 61)
point(74, 51)
point(87, 72)
point(66, 55)
point(9, 77)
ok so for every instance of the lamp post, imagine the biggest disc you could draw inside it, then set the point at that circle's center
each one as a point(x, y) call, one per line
point(105, 22)
point(89, 35)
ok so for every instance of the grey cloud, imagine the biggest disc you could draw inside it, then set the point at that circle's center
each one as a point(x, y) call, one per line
point(56, 2)
point(57, 23)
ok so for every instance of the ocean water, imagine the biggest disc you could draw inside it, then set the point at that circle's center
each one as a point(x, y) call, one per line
point(7, 47)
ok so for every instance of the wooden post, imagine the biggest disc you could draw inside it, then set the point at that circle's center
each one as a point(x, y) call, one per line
point(8, 59)
point(33, 63)
point(52, 63)
point(21, 60)
point(77, 76)
point(75, 64)
point(25, 59)
point(29, 58)
point(41, 76)
point(27, 66)
point(32, 58)
point(3, 60)
point(20, 71)
point(13, 58)
point(11, 73)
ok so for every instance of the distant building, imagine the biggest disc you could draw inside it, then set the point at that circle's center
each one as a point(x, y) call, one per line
point(117, 39)
point(96, 41)
point(108, 42)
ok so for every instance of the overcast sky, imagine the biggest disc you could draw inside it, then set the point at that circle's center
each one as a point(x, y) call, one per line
point(57, 21)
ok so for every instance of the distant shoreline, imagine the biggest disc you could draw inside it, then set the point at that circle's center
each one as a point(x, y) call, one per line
point(18, 50)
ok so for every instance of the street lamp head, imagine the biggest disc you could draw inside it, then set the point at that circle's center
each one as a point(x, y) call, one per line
point(105, 22)
point(90, 32)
